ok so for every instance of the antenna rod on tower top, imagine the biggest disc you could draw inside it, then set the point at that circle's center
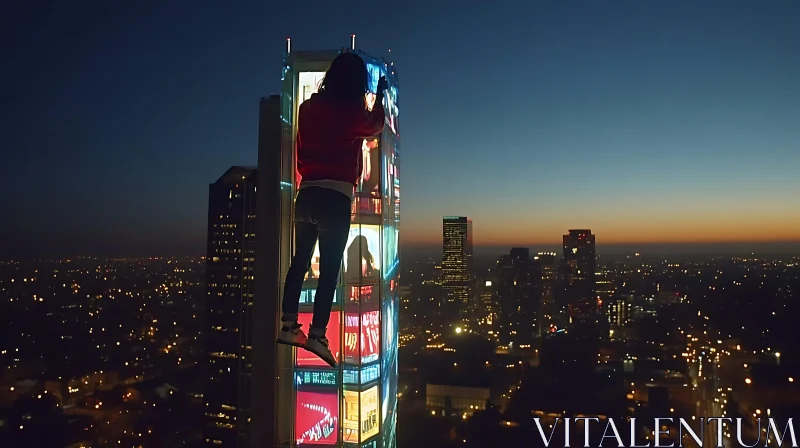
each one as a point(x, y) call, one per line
point(288, 45)
point(353, 42)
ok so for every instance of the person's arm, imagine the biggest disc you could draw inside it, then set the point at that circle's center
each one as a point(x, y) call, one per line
point(370, 123)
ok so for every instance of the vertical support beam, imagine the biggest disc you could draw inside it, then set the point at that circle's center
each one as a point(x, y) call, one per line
point(265, 305)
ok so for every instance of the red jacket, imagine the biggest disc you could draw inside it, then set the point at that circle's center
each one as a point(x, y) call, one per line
point(330, 135)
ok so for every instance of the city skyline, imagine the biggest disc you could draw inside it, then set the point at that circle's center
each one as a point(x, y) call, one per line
point(629, 168)
point(649, 123)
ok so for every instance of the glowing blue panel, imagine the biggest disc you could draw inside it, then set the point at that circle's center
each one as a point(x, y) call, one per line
point(375, 73)
point(368, 374)
point(389, 391)
point(315, 378)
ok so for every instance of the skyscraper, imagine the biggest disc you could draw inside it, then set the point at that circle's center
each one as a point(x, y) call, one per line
point(546, 264)
point(579, 267)
point(456, 265)
point(516, 295)
point(229, 280)
point(470, 250)
point(618, 312)
point(297, 399)
point(485, 308)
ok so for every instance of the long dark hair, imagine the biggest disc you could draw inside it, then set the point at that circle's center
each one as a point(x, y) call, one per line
point(347, 79)
point(359, 250)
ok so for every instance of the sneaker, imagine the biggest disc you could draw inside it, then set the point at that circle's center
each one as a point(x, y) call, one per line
point(320, 347)
point(292, 335)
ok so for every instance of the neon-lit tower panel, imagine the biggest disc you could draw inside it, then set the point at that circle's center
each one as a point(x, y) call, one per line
point(354, 404)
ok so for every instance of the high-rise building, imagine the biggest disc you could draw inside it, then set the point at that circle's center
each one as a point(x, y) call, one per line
point(547, 276)
point(516, 289)
point(456, 265)
point(579, 268)
point(484, 312)
point(229, 298)
point(298, 400)
point(618, 311)
point(604, 287)
point(470, 250)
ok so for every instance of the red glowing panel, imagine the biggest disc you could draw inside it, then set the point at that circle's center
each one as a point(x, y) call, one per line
point(306, 358)
point(317, 417)
point(365, 294)
point(368, 338)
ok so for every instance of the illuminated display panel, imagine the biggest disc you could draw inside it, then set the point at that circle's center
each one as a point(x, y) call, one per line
point(389, 432)
point(363, 375)
point(307, 294)
point(323, 378)
point(367, 205)
point(307, 85)
point(369, 183)
point(317, 417)
point(366, 294)
point(362, 258)
point(389, 390)
point(390, 236)
point(360, 415)
point(369, 413)
point(362, 331)
point(389, 324)
point(362, 255)
point(306, 358)
point(375, 72)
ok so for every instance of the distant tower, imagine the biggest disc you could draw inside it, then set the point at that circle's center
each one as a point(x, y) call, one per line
point(579, 268)
point(456, 264)
point(486, 309)
point(546, 263)
point(516, 290)
point(226, 331)
point(619, 311)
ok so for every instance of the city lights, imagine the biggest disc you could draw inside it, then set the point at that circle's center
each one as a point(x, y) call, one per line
point(574, 262)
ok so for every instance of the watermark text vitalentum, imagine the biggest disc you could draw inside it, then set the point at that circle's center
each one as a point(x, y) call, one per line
point(716, 432)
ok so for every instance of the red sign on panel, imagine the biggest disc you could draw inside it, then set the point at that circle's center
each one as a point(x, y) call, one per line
point(306, 358)
point(368, 337)
point(317, 418)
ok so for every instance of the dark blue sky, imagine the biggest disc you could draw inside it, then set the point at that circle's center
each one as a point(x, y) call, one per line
point(643, 120)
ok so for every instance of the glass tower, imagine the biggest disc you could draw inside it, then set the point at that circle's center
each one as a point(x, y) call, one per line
point(580, 266)
point(353, 405)
point(229, 297)
point(456, 266)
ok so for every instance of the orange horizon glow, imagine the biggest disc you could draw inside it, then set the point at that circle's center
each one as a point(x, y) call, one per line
point(510, 235)
point(764, 222)
point(511, 243)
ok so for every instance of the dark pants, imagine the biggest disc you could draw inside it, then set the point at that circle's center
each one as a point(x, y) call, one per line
point(324, 214)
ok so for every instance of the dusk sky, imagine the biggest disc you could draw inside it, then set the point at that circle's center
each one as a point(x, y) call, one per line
point(646, 121)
